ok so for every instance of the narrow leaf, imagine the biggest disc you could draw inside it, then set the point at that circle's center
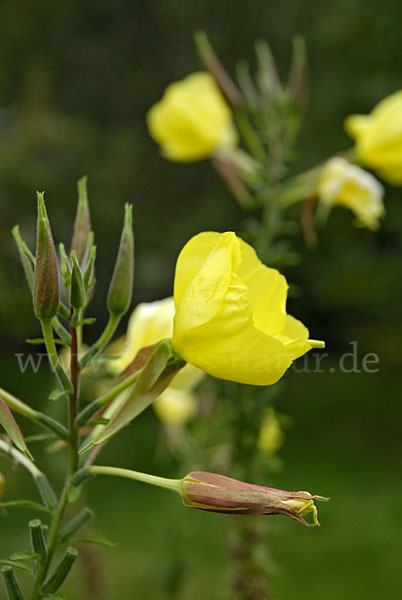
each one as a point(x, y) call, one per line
point(92, 540)
point(12, 429)
point(24, 556)
point(57, 394)
point(17, 565)
point(24, 504)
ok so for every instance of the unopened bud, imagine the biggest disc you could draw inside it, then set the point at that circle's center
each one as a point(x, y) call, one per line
point(55, 580)
point(227, 86)
point(82, 224)
point(121, 286)
point(46, 276)
point(298, 76)
point(217, 493)
point(78, 295)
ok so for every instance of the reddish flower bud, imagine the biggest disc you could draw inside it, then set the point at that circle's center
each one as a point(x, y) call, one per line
point(217, 493)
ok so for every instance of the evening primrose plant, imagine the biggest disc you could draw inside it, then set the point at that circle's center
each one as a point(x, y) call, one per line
point(225, 299)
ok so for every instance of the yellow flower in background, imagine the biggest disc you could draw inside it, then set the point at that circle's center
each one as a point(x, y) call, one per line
point(379, 137)
point(192, 120)
point(271, 435)
point(231, 319)
point(344, 184)
point(149, 323)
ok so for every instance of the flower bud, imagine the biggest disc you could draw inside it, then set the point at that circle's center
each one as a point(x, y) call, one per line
point(227, 86)
point(77, 290)
point(217, 493)
point(46, 276)
point(82, 224)
point(121, 286)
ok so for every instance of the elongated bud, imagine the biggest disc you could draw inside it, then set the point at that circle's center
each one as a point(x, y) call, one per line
point(267, 77)
point(82, 224)
point(13, 589)
point(217, 493)
point(75, 524)
point(78, 294)
point(298, 76)
point(211, 62)
point(53, 583)
point(26, 256)
point(46, 276)
point(38, 542)
point(121, 286)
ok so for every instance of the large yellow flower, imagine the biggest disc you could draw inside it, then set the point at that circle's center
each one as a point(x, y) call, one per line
point(379, 137)
point(352, 187)
point(192, 120)
point(231, 316)
point(149, 323)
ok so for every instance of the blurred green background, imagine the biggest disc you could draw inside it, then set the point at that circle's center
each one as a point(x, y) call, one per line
point(76, 80)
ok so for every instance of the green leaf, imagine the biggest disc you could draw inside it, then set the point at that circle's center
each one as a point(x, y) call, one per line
point(38, 341)
point(92, 540)
point(73, 493)
point(17, 565)
point(98, 421)
point(86, 321)
point(57, 394)
point(41, 437)
point(12, 429)
point(24, 556)
point(24, 504)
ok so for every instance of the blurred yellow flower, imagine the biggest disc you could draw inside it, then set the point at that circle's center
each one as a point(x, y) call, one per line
point(271, 435)
point(350, 186)
point(192, 120)
point(149, 323)
point(231, 316)
point(379, 137)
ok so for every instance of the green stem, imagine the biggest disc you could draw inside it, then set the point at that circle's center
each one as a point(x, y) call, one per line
point(250, 136)
point(51, 543)
point(61, 331)
point(73, 401)
point(97, 404)
point(104, 339)
point(53, 356)
point(168, 484)
point(34, 415)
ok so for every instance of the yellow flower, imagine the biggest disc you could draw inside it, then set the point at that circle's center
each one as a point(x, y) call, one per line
point(192, 120)
point(148, 324)
point(379, 137)
point(231, 316)
point(271, 435)
point(348, 185)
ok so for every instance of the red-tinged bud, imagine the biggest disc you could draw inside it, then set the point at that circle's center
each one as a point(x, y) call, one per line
point(298, 77)
point(46, 276)
point(121, 286)
point(217, 493)
point(227, 86)
point(82, 224)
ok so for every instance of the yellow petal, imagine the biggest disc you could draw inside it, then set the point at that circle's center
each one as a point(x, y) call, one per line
point(267, 291)
point(230, 347)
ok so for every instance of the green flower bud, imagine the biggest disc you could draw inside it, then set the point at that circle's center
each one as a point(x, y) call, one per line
point(38, 542)
point(46, 276)
point(121, 286)
point(82, 224)
point(78, 295)
point(55, 580)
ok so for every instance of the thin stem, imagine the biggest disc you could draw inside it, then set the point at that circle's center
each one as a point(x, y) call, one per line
point(51, 542)
point(53, 356)
point(61, 331)
point(168, 484)
point(106, 336)
point(34, 415)
point(97, 404)
point(73, 400)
